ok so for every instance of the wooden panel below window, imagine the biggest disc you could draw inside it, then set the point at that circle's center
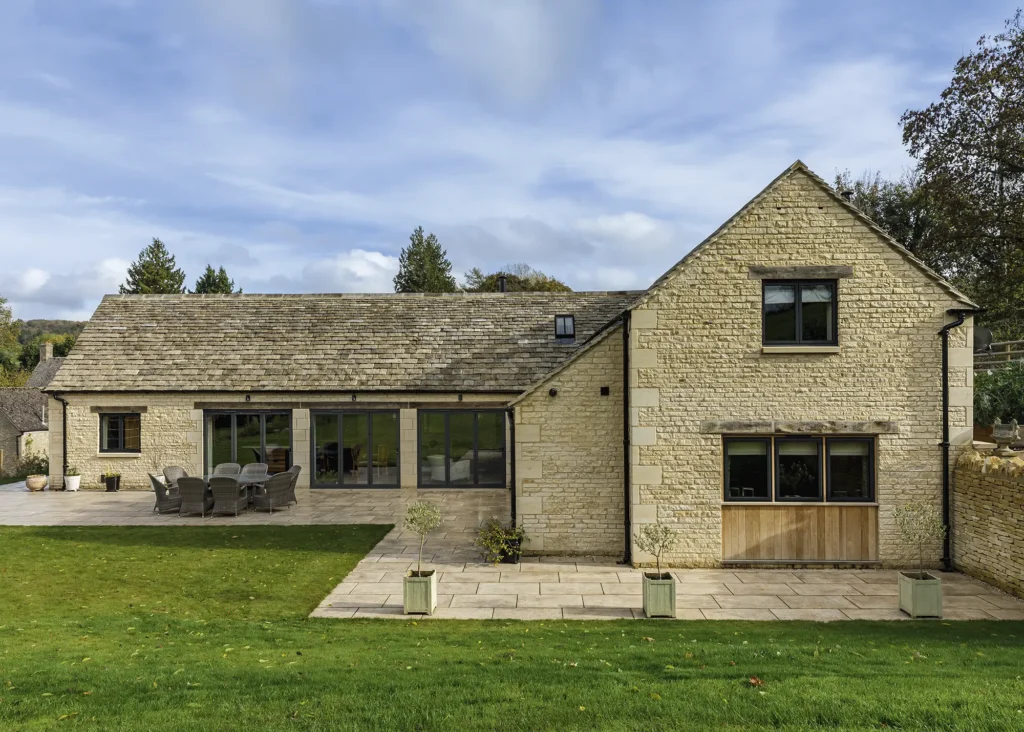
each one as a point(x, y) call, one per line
point(776, 532)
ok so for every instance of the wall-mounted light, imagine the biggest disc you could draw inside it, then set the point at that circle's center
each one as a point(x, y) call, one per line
point(606, 390)
point(552, 391)
point(353, 397)
point(460, 397)
point(247, 397)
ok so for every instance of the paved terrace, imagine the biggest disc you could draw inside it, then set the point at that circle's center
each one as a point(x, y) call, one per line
point(537, 588)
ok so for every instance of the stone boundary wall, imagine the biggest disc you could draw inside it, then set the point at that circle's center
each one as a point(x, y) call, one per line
point(988, 523)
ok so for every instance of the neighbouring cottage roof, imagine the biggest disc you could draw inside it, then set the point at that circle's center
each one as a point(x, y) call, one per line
point(44, 372)
point(500, 342)
point(25, 407)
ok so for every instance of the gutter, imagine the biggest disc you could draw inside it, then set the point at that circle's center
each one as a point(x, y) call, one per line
point(627, 492)
point(63, 437)
point(960, 314)
point(511, 411)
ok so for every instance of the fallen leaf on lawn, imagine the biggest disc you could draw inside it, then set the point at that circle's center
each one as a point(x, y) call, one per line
point(754, 681)
point(583, 709)
point(648, 639)
point(656, 697)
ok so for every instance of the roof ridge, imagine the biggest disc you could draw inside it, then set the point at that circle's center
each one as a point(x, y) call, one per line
point(374, 295)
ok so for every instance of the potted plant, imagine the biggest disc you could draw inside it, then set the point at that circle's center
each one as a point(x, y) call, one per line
point(112, 479)
point(500, 543)
point(920, 592)
point(659, 588)
point(419, 591)
point(72, 479)
point(35, 482)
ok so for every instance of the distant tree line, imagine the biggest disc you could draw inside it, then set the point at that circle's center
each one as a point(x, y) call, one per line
point(961, 208)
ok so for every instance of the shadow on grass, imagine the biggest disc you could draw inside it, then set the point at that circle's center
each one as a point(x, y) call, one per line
point(338, 538)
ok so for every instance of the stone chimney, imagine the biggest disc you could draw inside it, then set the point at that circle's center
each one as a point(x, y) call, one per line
point(45, 352)
point(502, 283)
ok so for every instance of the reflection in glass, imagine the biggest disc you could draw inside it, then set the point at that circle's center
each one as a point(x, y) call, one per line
point(780, 313)
point(460, 455)
point(799, 469)
point(816, 313)
point(747, 469)
point(849, 475)
point(433, 449)
point(248, 447)
point(384, 435)
point(325, 443)
point(355, 445)
point(490, 460)
point(218, 437)
point(278, 442)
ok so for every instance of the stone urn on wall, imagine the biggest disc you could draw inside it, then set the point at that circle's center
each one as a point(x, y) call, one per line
point(1005, 435)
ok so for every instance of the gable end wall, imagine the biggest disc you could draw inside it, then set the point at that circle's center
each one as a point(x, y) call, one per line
point(696, 356)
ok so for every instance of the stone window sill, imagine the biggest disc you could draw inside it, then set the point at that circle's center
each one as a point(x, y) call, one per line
point(119, 455)
point(794, 350)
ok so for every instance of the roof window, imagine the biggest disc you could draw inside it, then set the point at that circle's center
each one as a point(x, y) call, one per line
point(565, 326)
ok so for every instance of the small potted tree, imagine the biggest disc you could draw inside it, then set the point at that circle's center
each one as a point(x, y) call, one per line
point(500, 543)
point(920, 592)
point(659, 588)
point(419, 591)
point(72, 479)
point(112, 479)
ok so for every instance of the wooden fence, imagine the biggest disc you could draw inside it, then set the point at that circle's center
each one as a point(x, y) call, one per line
point(1001, 353)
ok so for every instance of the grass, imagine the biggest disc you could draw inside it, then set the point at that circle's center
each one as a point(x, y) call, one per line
point(112, 628)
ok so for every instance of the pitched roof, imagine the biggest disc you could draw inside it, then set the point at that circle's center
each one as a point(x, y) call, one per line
point(25, 407)
point(44, 372)
point(799, 166)
point(500, 342)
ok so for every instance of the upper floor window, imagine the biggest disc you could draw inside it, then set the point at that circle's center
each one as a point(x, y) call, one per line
point(565, 326)
point(120, 433)
point(800, 313)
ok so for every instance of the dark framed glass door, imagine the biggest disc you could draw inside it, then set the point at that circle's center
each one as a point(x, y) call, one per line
point(461, 448)
point(355, 449)
point(246, 437)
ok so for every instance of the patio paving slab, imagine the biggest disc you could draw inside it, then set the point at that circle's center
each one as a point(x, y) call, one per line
point(747, 602)
point(820, 615)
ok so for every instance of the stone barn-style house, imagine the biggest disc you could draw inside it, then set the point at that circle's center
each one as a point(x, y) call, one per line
point(773, 396)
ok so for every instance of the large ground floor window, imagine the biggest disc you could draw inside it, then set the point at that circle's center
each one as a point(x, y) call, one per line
point(799, 468)
point(355, 448)
point(245, 437)
point(462, 448)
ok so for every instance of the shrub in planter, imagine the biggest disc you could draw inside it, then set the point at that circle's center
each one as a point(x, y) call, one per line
point(659, 588)
point(72, 479)
point(500, 543)
point(920, 525)
point(419, 591)
point(112, 479)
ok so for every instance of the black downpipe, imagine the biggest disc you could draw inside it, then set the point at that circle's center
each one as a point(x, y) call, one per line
point(627, 508)
point(64, 438)
point(947, 548)
point(512, 463)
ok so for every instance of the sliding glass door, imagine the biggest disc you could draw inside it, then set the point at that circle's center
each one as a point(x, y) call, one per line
point(245, 437)
point(462, 448)
point(355, 449)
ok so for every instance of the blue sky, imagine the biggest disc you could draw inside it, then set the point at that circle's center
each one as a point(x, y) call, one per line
point(298, 142)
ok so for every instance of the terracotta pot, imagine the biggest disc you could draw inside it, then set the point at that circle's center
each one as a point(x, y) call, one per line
point(35, 482)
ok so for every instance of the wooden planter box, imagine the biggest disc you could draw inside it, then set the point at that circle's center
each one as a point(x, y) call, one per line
point(659, 595)
point(920, 598)
point(419, 592)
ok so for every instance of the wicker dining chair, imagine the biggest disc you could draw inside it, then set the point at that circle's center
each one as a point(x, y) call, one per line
point(294, 472)
point(254, 469)
point(276, 492)
point(228, 494)
point(227, 469)
point(165, 500)
point(172, 474)
point(194, 497)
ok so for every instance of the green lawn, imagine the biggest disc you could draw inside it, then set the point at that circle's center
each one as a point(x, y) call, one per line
point(111, 628)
